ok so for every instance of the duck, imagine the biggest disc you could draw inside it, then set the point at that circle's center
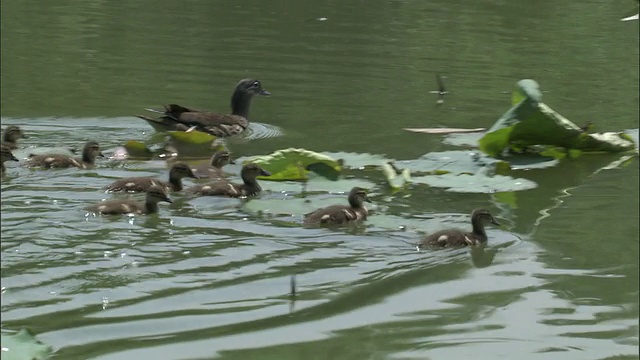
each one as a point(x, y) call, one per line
point(460, 238)
point(178, 171)
point(11, 136)
point(213, 169)
point(6, 155)
point(154, 195)
point(249, 187)
point(342, 214)
point(177, 117)
point(90, 151)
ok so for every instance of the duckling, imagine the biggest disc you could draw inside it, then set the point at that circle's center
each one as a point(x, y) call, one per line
point(459, 238)
point(90, 151)
point(249, 187)
point(155, 194)
point(213, 169)
point(176, 117)
point(341, 214)
point(6, 155)
point(11, 135)
point(143, 183)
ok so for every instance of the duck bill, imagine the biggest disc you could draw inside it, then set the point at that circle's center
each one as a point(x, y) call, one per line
point(13, 158)
point(265, 173)
point(368, 200)
point(231, 161)
point(100, 154)
point(167, 199)
point(264, 92)
point(495, 222)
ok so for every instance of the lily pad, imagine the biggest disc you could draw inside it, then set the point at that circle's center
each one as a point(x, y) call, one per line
point(358, 160)
point(23, 345)
point(192, 144)
point(531, 122)
point(476, 183)
point(444, 130)
point(134, 149)
point(295, 164)
point(456, 162)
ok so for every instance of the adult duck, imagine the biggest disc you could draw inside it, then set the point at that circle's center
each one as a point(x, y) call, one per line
point(177, 117)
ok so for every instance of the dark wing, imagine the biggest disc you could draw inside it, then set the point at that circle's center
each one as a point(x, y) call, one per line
point(135, 184)
point(116, 207)
point(218, 188)
point(447, 238)
point(53, 161)
point(334, 214)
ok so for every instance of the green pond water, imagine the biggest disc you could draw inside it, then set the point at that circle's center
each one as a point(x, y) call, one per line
point(209, 278)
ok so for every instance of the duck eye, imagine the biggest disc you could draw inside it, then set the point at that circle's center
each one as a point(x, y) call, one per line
point(256, 84)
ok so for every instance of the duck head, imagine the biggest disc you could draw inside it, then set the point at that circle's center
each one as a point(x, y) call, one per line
point(156, 194)
point(181, 170)
point(90, 151)
point(483, 216)
point(252, 171)
point(252, 87)
point(357, 196)
point(221, 158)
point(13, 133)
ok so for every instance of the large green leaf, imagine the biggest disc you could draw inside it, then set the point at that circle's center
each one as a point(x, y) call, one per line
point(192, 144)
point(295, 164)
point(464, 171)
point(22, 345)
point(531, 122)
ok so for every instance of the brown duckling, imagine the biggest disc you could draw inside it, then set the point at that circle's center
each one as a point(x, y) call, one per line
point(213, 169)
point(342, 214)
point(459, 238)
point(155, 194)
point(176, 117)
point(90, 151)
point(143, 183)
point(249, 187)
point(6, 155)
point(11, 136)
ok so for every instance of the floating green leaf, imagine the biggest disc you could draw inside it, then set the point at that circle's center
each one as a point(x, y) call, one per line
point(23, 345)
point(295, 164)
point(531, 122)
point(137, 150)
point(193, 137)
point(192, 144)
point(443, 130)
point(476, 183)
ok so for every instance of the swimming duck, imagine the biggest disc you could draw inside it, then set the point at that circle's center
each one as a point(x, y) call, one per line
point(11, 135)
point(90, 151)
point(143, 183)
point(6, 155)
point(459, 238)
point(249, 187)
point(176, 117)
point(341, 214)
point(155, 194)
point(213, 169)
